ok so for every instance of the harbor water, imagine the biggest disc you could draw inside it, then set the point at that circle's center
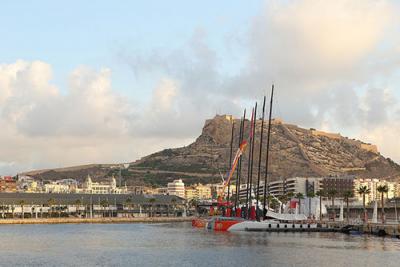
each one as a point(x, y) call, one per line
point(178, 244)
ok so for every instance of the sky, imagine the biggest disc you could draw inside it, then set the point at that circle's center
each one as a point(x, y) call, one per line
point(111, 81)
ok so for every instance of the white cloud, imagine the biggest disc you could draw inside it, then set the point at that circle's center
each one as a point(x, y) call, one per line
point(164, 96)
point(89, 123)
point(330, 61)
point(335, 65)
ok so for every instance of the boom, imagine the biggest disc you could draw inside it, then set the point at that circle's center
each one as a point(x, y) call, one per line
point(238, 154)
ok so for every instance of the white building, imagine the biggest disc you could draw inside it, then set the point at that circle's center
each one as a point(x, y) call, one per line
point(293, 185)
point(55, 187)
point(303, 185)
point(373, 184)
point(28, 184)
point(91, 187)
point(177, 188)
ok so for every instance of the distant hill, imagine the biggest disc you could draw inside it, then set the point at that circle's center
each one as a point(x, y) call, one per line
point(294, 152)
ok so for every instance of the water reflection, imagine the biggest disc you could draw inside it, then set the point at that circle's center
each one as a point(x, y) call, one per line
point(180, 244)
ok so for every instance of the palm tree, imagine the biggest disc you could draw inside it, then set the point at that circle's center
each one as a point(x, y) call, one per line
point(363, 190)
point(22, 203)
point(299, 196)
point(310, 195)
point(332, 193)
point(104, 204)
point(78, 203)
point(128, 203)
point(347, 195)
point(269, 201)
point(283, 199)
point(274, 203)
point(2, 211)
point(320, 193)
point(383, 189)
point(290, 195)
point(50, 203)
point(174, 205)
point(151, 200)
point(193, 203)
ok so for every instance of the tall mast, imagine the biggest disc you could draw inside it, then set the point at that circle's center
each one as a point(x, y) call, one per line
point(249, 163)
point(259, 160)
point(239, 170)
point(268, 147)
point(252, 155)
point(230, 160)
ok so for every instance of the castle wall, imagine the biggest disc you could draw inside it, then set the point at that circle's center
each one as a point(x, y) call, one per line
point(329, 135)
point(370, 148)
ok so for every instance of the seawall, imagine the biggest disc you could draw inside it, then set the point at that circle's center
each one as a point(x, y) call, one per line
point(96, 220)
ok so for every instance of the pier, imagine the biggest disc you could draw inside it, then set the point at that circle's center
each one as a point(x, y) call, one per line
point(378, 229)
point(72, 220)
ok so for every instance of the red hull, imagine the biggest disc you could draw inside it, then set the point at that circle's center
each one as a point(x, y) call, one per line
point(199, 223)
point(219, 224)
point(223, 226)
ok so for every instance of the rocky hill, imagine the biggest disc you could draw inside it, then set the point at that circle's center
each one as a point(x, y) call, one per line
point(294, 152)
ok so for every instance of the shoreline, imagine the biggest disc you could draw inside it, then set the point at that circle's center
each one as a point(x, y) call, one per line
point(94, 220)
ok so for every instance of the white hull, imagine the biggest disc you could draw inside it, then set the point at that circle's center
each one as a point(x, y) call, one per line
point(269, 225)
point(286, 216)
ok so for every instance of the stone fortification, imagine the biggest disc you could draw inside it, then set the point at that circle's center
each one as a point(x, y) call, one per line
point(295, 151)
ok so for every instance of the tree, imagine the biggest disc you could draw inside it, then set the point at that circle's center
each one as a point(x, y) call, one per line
point(78, 204)
point(283, 199)
point(383, 189)
point(299, 196)
point(364, 190)
point(174, 205)
point(347, 195)
point(152, 201)
point(332, 193)
point(194, 203)
point(321, 193)
point(273, 203)
point(310, 195)
point(128, 203)
point(50, 203)
point(104, 204)
point(290, 195)
point(22, 203)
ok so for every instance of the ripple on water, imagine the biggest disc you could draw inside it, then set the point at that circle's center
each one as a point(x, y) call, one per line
point(179, 244)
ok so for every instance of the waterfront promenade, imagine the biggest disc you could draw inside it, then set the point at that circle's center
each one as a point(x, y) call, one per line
point(95, 220)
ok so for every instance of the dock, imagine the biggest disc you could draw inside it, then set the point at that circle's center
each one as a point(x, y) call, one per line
point(72, 220)
point(378, 229)
point(294, 230)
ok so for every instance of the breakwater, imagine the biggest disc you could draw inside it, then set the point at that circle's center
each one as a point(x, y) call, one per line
point(378, 229)
point(96, 220)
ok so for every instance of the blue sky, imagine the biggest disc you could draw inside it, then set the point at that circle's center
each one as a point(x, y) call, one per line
point(112, 81)
point(75, 33)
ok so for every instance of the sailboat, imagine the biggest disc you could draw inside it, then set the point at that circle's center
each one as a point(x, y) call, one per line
point(250, 219)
